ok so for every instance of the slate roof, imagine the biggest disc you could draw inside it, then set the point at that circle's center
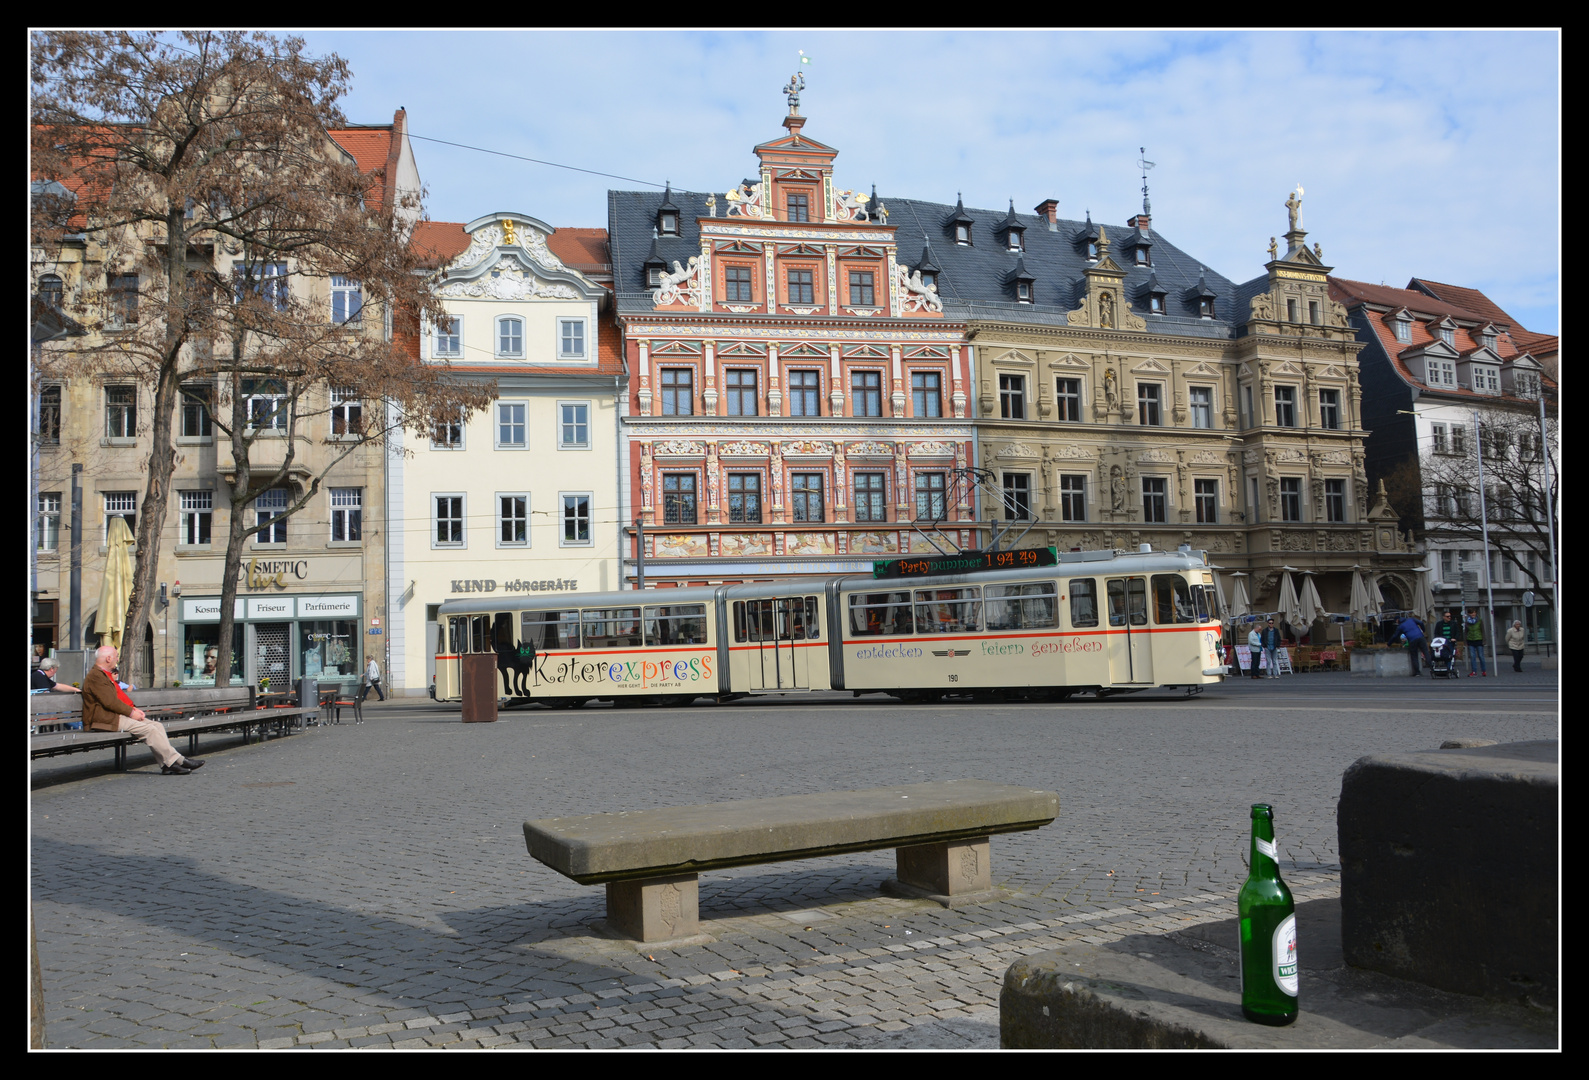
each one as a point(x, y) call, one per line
point(974, 280)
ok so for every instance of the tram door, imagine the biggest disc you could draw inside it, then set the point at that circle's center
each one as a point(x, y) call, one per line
point(1130, 651)
point(777, 627)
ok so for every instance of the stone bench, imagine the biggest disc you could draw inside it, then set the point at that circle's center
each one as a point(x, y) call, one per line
point(649, 859)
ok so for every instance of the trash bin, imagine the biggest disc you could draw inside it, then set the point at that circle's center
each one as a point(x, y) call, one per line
point(479, 688)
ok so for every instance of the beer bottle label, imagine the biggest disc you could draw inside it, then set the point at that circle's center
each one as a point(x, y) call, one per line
point(1267, 847)
point(1285, 955)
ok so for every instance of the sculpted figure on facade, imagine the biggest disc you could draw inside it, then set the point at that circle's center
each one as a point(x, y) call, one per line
point(850, 206)
point(1117, 489)
point(681, 286)
point(1294, 208)
point(745, 201)
point(916, 296)
point(1106, 311)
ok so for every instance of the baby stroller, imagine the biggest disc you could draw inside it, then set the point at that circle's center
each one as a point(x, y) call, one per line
point(1442, 658)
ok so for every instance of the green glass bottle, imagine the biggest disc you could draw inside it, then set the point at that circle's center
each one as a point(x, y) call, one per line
point(1268, 931)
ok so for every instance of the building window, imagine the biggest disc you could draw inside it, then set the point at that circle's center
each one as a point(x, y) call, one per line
point(1438, 437)
point(1202, 406)
point(48, 532)
point(930, 504)
point(1023, 292)
point(866, 393)
point(121, 412)
point(801, 288)
point(347, 299)
point(1441, 372)
point(449, 521)
point(1459, 439)
point(798, 204)
point(449, 337)
point(347, 514)
point(1486, 380)
point(122, 504)
point(266, 280)
point(1335, 500)
point(576, 520)
point(1252, 418)
point(1291, 309)
point(1463, 498)
point(270, 510)
point(510, 337)
point(447, 435)
point(52, 291)
point(1206, 493)
point(926, 393)
point(871, 503)
point(1153, 499)
point(122, 300)
point(737, 282)
point(744, 497)
point(194, 509)
point(861, 294)
point(1155, 302)
point(196, 421)
point(805, 495)
point(1330, 409)
point(1017, 496)
point(741, 390)
point(1073, 498)
point(678, 391)
point(1403, 330)
point(571, 339)
point(1449, 336)
point(513, 520)
point(1290, 498)
point(678, 498)
point(805, 393)
point(511, 433)
point(1012, 397)
point(962, 232)
point(1067, 397)
point(1313, 312)
point(266, 404)
point(347, 412)
point(1148, 413)
point(50, 416)
point(1205, 307)
point(573, 429)
point(1286, 406)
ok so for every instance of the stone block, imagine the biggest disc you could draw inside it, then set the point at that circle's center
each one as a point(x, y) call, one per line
point(655, 909)
point(1381, 663)
point(1449, 870)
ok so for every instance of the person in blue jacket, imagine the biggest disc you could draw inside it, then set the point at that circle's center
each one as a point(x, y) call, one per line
point(1417, 643)
point(1271, 642)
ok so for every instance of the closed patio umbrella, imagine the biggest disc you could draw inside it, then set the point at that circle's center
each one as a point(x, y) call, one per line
point(1219, 590)
point(1287, 605)
point(115, 587)
point(1423, 598)
point(1309, 603)
point(1361, 607)
point(1239, 604)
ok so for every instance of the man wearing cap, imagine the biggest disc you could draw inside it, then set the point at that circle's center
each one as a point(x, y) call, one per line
point(106, 707)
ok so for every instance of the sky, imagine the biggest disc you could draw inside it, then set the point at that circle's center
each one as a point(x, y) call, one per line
point(1427, 154)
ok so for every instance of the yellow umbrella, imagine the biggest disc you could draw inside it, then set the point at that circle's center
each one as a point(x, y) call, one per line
point(115, 587)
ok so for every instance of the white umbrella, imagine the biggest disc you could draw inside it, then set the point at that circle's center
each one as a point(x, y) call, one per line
point(1375, 597)
point(1310, 606)
point(1239, 604)
point(1219, 590)
point(1423, 598)
point(1287, 605)
point(1360, 604)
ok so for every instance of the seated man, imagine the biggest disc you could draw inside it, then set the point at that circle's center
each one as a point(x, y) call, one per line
point(44, 677)
point(106, 707)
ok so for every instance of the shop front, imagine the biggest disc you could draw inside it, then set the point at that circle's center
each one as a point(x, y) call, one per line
point(275, 640)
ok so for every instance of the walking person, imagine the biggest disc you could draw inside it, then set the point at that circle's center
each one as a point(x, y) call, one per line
point(372, 681)
point(1254, 648)
point(106, 707)
point(1475, 644)
point(1417, 643)
point(1515, 639)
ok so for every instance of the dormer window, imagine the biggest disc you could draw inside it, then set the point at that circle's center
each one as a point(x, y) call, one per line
point(667, 214)
point(1023, 291)
point(1205, 307)
point(1142, 256)
point(655, 266)
point(962, 234)
point(1403, 327)
point(1155, 294)
point(1156, 303)
point(1448, 334)
point(1023, 282)
point(1015, 242)
point(1014, 231)
point(960, 223)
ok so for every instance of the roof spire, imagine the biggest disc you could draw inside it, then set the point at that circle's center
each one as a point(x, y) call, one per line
point(1147, 209)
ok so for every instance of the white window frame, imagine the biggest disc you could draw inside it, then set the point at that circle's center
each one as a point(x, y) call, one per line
point(463, 436)
point(346, 502)
point(47, 530)
point(252, 393)
point(192, 508)
point(344, 289)
point(583, 326)
point(260, 506)
point(117, 509)
point(346, 405)
point(563, 424)
point(564, 498)
point(446, 341)
point(200, 395)
point(496, 339)
point(523, 422)
point(1437, 439)
point(501, 518)
point(462, 519)
point(129, 430)
point(1206, 407)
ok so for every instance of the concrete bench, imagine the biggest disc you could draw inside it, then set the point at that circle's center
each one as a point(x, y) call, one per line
point(650, 859)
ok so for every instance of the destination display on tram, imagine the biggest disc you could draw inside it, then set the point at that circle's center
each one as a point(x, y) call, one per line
point(1023, 559)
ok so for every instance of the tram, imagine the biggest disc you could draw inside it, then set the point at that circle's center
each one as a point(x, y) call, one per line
point(1036, 624)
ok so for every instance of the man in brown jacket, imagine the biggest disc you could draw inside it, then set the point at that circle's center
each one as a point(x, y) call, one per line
point(106, 707)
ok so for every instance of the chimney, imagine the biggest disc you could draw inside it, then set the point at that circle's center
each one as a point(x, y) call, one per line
point(1048, 210)
point(1140, 221)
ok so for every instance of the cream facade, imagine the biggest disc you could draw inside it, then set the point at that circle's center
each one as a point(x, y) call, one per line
point(522, 498)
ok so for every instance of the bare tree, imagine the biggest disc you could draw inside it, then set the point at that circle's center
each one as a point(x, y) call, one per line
point(1517, 487)
point(195, 175)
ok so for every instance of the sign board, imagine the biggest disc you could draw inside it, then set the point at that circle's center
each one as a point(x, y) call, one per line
point(328, 607)
point(270, 607)
point(1470, 586)
point(930, 566)
point(208, 609)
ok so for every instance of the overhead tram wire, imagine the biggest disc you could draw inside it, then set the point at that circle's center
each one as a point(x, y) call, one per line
point(536, 161)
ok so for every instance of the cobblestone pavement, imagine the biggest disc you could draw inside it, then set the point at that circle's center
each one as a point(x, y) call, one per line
point(369, 886)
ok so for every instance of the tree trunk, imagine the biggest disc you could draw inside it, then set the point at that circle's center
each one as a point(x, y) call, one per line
point(237, 500)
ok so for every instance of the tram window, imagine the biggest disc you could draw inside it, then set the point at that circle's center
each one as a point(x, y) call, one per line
point(550, 629)
point(612, 628)
point(813, 628)
point(948, 611)
point(480, 634)
point(1032, 606)
point(441, 639)
point(1128, 598)
point(1203, 599)
point(1117, 602)
point(680, 624)
point(502, 631)
point(1084, 602)
point(457, 630)
point(880, 613)
point(1172, 600)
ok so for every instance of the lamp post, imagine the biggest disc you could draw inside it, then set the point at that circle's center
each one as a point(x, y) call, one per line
point(1550, 508)
point(1484, 527)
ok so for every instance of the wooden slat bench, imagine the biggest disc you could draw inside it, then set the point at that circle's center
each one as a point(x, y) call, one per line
point(650, 859)
point(189, 712)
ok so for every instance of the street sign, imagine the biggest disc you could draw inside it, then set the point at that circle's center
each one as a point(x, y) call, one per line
point(1528, 598)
